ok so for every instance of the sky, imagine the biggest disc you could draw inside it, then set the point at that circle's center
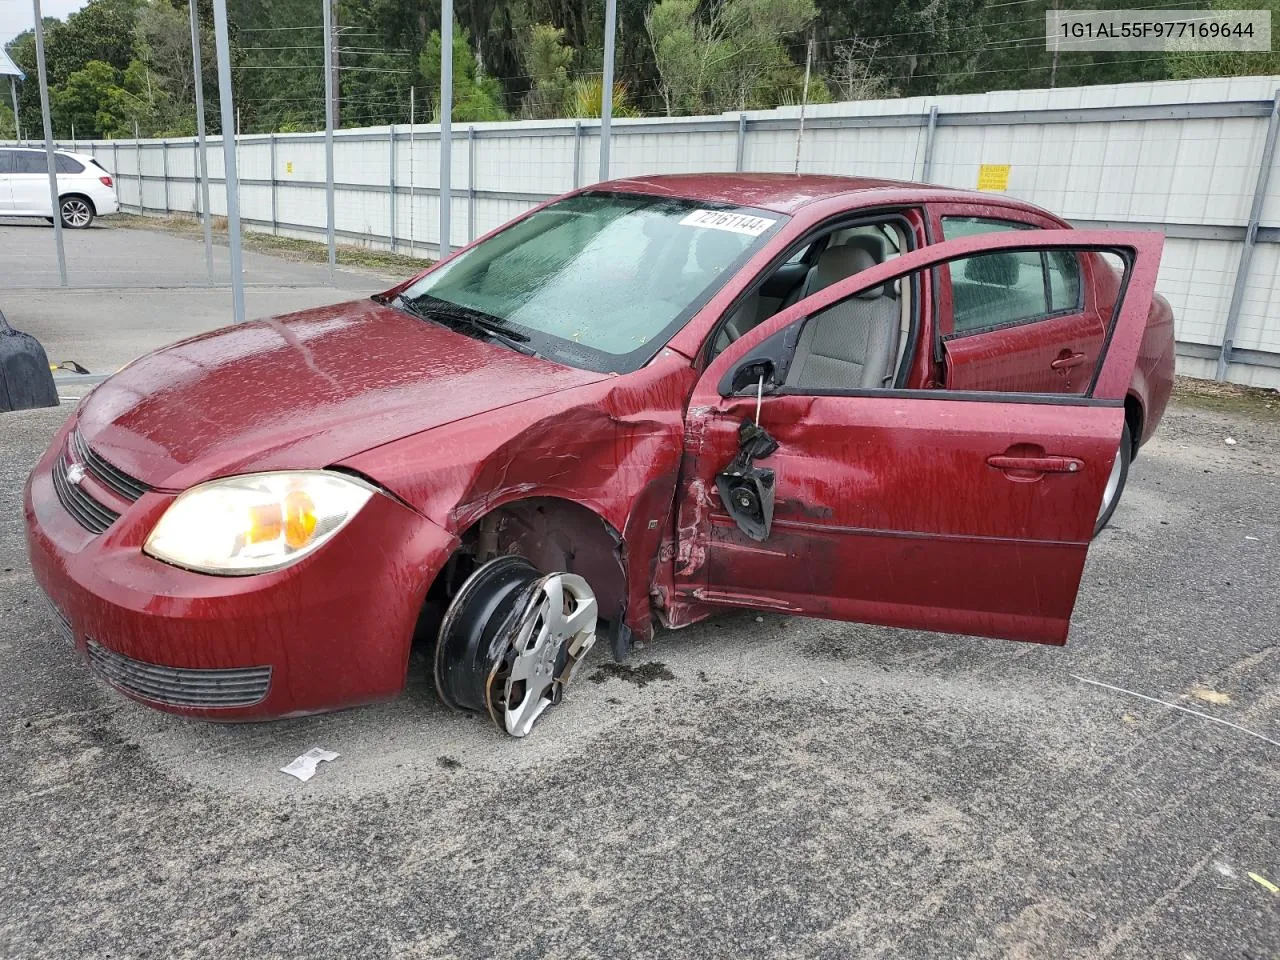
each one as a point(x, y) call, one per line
point(16, 15)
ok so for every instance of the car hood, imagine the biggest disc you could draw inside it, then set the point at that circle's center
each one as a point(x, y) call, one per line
point(301, 392)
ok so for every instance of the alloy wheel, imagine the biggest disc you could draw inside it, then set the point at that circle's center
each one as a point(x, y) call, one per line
point(76, 213)
point(1112, 488)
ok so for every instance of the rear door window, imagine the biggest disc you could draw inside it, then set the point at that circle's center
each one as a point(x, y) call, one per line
point(1005, 288)
point(28, 161)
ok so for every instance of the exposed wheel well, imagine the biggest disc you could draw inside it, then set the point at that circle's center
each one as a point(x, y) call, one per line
point(1133, 417)
point(552, 534)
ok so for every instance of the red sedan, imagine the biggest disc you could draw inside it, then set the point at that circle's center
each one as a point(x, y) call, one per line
point(641, 403)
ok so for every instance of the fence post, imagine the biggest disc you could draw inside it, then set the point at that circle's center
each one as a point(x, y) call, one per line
point(137, 169)
point(330, 121)
point(742, 142)
point(471, 184)
point(606, 84)
point(391, 181)
point(577, 154)
point(446, 128)
point(1250, 239)
point(164, 169)
point(275, 210)
point(926, 168)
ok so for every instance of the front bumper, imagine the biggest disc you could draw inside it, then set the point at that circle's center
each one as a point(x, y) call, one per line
point(332, 631)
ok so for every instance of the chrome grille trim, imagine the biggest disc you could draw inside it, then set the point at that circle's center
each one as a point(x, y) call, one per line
point(65, 631)
point(106, 472)
point(180, 686)
point(88, 512)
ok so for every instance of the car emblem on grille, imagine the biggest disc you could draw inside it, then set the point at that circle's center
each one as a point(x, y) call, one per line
point(75, 473)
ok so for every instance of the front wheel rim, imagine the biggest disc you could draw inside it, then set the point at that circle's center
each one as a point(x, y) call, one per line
point(1113, 482)
point(554, 633)
point(75, 213)
point(512, 640)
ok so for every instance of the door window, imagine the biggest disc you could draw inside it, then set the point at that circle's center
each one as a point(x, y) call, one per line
point(6, 161)
point(998, 289)
point(854, 345)
point(28, 161)
point(832, 255)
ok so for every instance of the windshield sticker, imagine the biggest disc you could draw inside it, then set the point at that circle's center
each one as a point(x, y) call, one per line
point(733, 222)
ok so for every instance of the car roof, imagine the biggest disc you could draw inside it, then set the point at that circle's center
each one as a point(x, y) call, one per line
point(780, 192)
point(40, 150)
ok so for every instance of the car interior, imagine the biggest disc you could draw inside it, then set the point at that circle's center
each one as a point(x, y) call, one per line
point(856, 344)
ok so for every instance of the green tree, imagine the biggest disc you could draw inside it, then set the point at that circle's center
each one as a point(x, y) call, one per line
point(7, 129)
point(684, 49)
point(90, 101)
point(548, 60)
point(588, 92)
point(1190, 65)
point(476, 98)
point(754, 60)
point(733, 57)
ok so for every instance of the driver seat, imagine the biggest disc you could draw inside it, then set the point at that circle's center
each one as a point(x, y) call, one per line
point(851, 345)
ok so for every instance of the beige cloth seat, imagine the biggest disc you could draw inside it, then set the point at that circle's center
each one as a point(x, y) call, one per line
point(851, 345)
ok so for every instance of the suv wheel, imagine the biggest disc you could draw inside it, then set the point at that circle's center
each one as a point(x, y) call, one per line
point(77, 213)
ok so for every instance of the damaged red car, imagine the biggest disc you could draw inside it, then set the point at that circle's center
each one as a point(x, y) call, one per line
point(636, 405)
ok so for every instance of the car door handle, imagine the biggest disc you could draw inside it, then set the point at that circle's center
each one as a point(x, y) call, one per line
point(1067, 362)
point(1036, 464)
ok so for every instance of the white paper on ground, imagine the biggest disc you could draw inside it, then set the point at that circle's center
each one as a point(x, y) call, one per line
point(304, 767)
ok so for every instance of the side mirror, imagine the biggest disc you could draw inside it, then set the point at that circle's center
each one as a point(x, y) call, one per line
point(750, 374)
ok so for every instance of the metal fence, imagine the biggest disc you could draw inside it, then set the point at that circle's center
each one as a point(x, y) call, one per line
point(1191, 158)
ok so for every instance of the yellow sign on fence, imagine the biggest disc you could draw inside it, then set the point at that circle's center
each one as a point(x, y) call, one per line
point(993, 177)
point(288, 166)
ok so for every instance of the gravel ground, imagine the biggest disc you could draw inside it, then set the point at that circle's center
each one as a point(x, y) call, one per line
point(776, 787)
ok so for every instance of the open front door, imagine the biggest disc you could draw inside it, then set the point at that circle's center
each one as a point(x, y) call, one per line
point(961, 511)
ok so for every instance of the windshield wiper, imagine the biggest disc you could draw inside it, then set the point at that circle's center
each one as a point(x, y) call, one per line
point(455, 316)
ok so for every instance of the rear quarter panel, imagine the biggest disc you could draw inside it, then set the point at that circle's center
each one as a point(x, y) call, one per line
point(1153, 374)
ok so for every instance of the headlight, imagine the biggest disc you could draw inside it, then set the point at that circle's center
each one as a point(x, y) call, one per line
point(255, 523)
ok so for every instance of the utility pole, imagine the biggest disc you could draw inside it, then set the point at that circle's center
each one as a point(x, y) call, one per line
point(804, 101)
point(412, 128)
point(197, 75)
point(13, 95)
point(1053, 70)
point(446, 123)
point(330, 109)
point(43, 78)
point(335, 94)
point(606, 85)
point(226, 104)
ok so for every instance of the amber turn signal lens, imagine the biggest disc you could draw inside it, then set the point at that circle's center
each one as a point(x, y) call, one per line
point(264, 523)
point(299, 519)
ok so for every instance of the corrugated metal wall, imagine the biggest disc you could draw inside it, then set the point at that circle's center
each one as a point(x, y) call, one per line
point(1182, 157)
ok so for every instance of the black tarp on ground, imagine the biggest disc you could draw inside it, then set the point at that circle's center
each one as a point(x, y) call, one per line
point(25, 378)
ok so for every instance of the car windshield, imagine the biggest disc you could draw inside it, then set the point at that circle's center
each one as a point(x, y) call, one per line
point(599, 280)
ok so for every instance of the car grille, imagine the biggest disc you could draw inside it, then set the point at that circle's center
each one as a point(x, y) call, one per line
point(108, 474)
point(180, 686)
point(89, 513)
point(63, 624)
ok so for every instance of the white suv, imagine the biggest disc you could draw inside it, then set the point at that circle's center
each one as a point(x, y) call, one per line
point(85, 188)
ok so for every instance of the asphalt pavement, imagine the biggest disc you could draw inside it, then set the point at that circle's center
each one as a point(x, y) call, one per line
point(754, 786)
point(130, 290)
